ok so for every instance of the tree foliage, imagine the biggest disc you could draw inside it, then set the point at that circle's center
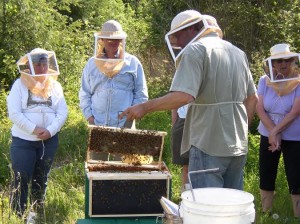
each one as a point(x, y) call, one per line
point(67, 27)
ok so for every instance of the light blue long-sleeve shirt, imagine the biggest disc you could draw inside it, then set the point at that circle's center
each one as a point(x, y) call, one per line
point(104, 97)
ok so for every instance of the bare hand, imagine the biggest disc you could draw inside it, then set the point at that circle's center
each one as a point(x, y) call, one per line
point(91, 120)
point(135, 112)
point(42, 133)
point(274, 141)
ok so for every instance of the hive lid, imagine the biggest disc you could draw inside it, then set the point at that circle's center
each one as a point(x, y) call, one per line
point(124, 141)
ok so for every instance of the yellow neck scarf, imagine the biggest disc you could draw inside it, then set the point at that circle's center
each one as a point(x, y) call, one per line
point(283, 88)
point(37, 88)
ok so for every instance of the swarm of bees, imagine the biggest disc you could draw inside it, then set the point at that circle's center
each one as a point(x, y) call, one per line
point(134, 148)
point(142, 142)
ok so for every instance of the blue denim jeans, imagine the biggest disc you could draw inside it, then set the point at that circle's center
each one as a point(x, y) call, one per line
point(230, 174)
point(31, 163)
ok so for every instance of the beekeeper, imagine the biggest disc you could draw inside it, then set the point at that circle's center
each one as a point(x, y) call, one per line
point(38, 110)
point(112, 80)
point(213, 76)
point(278, 108)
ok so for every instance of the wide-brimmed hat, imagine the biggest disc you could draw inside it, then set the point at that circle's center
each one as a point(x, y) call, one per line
point(281, 51)
point(184, 18)
point(111, 30)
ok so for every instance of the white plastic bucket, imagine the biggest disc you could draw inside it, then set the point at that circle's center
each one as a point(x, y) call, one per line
point(217, 206)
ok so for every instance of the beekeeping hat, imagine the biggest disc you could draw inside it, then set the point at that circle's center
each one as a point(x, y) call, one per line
point(280, 53)
point(181, 21)
point(183, 18)
point(112, 30)
point(33, 65)
point(31, 62)
point(109, 66)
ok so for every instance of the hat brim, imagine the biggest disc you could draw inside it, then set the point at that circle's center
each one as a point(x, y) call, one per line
point(283, 56)
point(111, 35)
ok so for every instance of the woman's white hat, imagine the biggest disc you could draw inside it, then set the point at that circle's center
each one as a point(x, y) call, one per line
point(281, 51)
point(111, 29)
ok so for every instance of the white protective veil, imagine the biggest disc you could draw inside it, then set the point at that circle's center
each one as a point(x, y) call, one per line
point(282, 69)
point(38, 69)
point(186, 19)
point(109, 66)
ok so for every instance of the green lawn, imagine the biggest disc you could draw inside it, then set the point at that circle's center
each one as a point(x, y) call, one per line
point(65, 201)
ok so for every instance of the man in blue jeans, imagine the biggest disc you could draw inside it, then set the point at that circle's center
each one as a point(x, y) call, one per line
point(214, 77)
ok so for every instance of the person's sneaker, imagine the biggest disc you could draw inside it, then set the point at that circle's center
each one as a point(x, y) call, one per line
point(31, 218)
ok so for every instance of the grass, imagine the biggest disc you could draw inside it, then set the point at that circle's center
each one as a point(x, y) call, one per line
point(65, 200)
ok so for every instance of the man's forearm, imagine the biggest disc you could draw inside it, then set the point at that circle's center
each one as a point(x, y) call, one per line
point(250, 104)
point(170, 101)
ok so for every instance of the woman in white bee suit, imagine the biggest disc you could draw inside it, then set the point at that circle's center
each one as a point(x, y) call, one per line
point(38, 110)
point(112, 79)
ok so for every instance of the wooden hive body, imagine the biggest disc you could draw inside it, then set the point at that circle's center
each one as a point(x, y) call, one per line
point(117, 188)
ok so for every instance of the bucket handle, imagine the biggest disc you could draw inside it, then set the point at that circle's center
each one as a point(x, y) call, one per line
point(199, 171)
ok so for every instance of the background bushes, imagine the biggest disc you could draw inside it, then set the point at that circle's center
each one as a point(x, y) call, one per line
point(67, 27)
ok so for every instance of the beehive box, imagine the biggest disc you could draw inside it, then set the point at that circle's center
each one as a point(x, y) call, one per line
point(125, 174)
